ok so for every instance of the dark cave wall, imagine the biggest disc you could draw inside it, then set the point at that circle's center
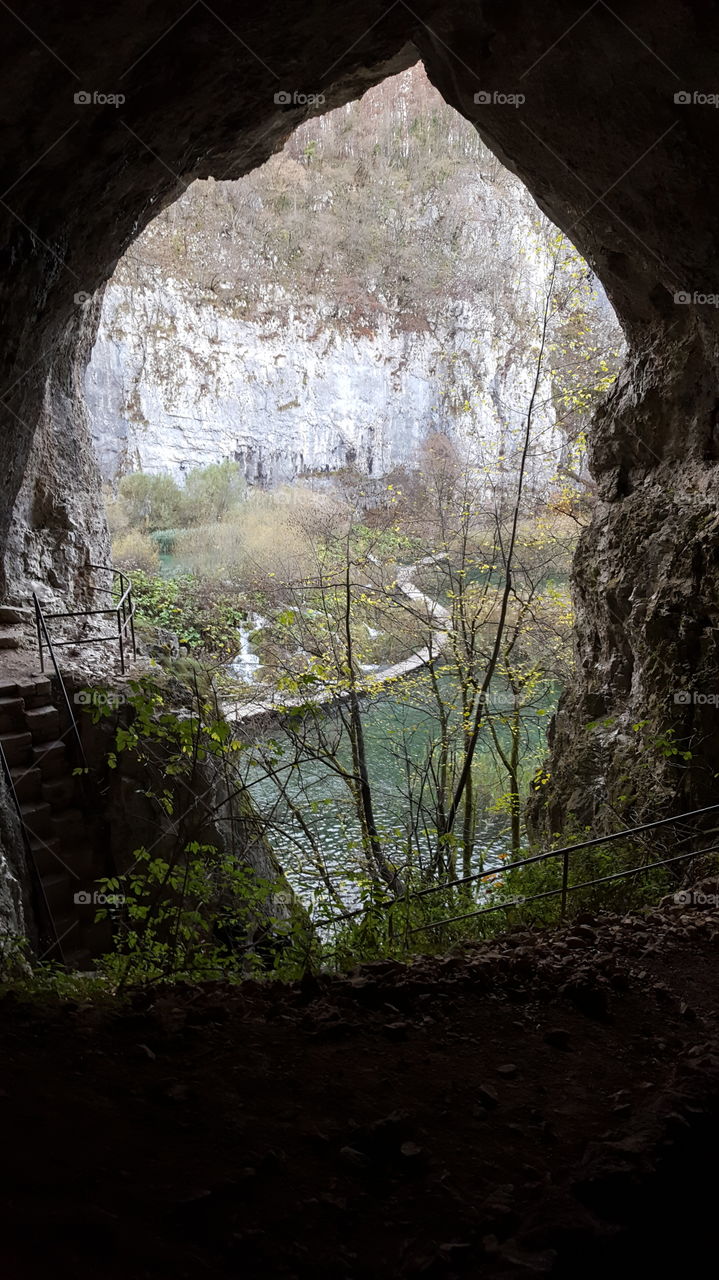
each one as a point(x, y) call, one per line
point(58, 534)
point(606, 150)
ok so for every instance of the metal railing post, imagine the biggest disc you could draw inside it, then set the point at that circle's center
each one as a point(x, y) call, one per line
point(61, 682)
point(565, 882)
point(119, 636)
point(522, 863)
point(123, 610)
point(39, 633)
point(131, 603)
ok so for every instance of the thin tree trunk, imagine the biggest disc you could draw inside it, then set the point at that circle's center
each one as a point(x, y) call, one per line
point(506, 594)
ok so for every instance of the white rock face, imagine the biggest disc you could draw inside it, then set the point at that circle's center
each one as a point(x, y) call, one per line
point(178, 380)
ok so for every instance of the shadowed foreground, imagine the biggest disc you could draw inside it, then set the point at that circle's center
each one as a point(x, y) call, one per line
point(540, 1105)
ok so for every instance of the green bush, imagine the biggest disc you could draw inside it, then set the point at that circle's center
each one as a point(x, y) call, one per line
point(211, 493)
point(151, 502)
point(165, 540)
point(204, 615)
point(157, 505)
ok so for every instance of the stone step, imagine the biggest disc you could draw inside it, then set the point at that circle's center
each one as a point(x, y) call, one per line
point(70, 825)
point(59, 792)
point(10, 613)
point(12, 715)
point(17, 747)
point(51, 758)
point(37, 819)
point(81, 861)
point(10, 703)
point(58, 892)
point(36, 691)
point(26, 782)
point(8, 689)
point(47, 856)
point(8, 640)
point(43, 723)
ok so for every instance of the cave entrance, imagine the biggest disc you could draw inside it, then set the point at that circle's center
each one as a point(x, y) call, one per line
point(381, 305)
point(614, 152)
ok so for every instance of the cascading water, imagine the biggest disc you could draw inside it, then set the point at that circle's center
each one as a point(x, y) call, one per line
point(245, 666)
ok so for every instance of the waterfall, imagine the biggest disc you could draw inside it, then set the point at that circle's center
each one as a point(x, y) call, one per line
point(246, 664)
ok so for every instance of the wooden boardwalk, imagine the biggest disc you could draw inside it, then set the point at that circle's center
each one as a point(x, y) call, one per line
point(274, 704)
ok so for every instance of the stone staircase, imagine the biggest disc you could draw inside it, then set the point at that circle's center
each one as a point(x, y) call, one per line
point(61, 830)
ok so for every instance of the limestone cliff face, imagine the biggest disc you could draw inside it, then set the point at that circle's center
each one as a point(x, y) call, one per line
point(637, 734)
point(178, 379)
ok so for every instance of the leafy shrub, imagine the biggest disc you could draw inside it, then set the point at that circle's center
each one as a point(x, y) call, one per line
point(158, 506)
point(194, 909)
point(211, 493)
point(165, 540)
point(151, 502)
point(202, 612)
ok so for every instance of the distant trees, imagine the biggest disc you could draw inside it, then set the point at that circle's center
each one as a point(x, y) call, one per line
point(148, 502)
point(150, 511)
point(460, 577)
point(210, 493)
point(151, 502)
point(461, 732)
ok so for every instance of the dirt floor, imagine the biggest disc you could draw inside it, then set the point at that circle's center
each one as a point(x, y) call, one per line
point(543, 1105)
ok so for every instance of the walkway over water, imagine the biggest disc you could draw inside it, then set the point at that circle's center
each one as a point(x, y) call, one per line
point(274, 703)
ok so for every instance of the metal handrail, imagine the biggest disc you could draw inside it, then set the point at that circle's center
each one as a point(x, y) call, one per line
point(554, 893)
point(42, 630)
point(563, 852)
point(123, 611)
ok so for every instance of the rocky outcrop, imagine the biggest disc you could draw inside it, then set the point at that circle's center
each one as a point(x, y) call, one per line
point(638, 732)
point(184, 805)
point(58, 533)
point(12, 875)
